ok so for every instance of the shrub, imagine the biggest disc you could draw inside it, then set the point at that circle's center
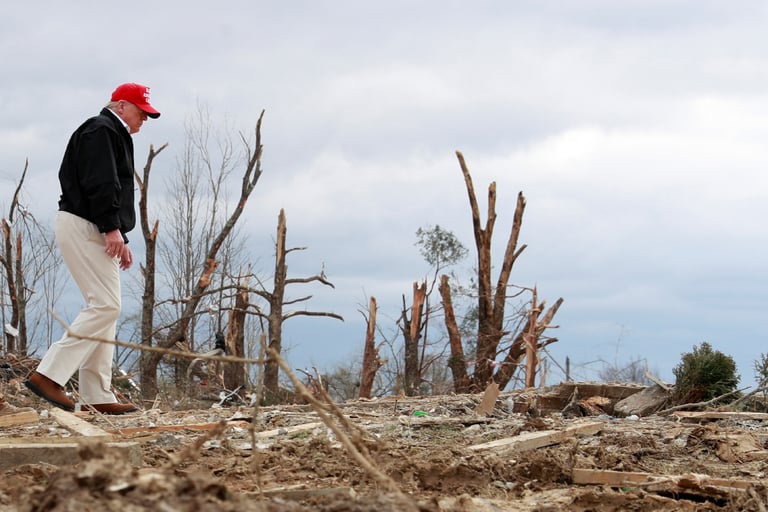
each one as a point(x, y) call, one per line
point(704, 374)
point(761, 369)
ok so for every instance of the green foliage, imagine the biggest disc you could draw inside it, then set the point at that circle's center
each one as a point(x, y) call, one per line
point(704, 374)
point(761, 368)
point(439, 247)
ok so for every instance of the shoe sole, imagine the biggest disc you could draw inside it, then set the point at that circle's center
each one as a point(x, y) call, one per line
point(42, 395)
point(90, 408)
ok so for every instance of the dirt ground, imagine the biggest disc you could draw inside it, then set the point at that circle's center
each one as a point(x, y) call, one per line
point(393, 454)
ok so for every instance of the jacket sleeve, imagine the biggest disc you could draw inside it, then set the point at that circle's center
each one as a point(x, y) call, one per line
point(99, 179)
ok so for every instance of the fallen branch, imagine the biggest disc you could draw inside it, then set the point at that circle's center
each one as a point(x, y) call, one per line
point(699, 404)
point(321, 410)
point(210, 356)
point(763, 386)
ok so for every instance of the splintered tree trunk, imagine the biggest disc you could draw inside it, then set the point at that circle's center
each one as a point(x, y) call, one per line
point(10, 280)
point(412, 333)
point(491, 300)
point(147, 368)
point(234, 373)
point(531, 352)
point(457, 363)
point(371, 361)
point(275, 318)
point(21, 345)
point(517, 351)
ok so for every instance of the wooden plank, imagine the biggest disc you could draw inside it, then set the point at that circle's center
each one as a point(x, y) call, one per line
point(721, 415)
point(533, 440)
point(289, 430)
point(299, 493)
point(77, 425)
point(431, 421)
point(21, 417)
point(489, 399)
point(39, 440)
point(625, 478)
point(59, 454)
point(208, 426)
point(173, 428)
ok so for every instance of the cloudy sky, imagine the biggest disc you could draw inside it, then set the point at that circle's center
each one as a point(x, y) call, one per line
point(635, 129)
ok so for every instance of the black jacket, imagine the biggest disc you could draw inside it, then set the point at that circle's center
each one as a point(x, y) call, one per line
point(96, 174)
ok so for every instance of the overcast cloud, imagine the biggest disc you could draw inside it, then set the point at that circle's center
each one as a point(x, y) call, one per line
point(635, 129)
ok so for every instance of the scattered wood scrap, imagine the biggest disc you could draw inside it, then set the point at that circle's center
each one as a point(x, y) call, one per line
point(489, 399)
point(720, 415)
point(59, 451)
point(77, 425)
point(643, 403)
point(300, 492)
point(150, 429)
point(732, 447)
point(560, 397)
point(701, 485)
point(210, 426)
point(19, 418)
point(59, 454)
point(429, 421)
point(533, 440)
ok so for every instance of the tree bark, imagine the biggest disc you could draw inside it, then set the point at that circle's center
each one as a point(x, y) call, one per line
point(371, 361)
point(22, 297)
point(11, 262)
point(275, 317)
point(457, 362)
point(234, 373)
point(147, 366)
point(412, 335)
point(10, 279)
point(531, 353)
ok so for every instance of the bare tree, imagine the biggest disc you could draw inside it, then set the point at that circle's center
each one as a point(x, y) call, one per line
point(371, 360)
point(441, 249)
point(492, 300)
point(29, 262)
point(148, 269)
point(412, 328)
point(192, 217)
point(179, 331)
point(276, 315)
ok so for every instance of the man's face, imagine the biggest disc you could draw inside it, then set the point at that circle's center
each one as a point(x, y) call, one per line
point(133, 116)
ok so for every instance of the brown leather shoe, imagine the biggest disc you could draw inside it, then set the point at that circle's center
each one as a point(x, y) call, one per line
point(115, 408)
point(45, 388)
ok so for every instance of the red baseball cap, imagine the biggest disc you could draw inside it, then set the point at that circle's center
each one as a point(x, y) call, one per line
point(138, 95)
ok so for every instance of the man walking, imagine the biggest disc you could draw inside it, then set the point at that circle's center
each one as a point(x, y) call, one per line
point(96, 210)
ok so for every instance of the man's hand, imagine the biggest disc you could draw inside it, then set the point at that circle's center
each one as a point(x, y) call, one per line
point(114, 243)
point(126, 258)
point(115, 247)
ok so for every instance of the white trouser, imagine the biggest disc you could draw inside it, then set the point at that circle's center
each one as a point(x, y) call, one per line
point(98, 277)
